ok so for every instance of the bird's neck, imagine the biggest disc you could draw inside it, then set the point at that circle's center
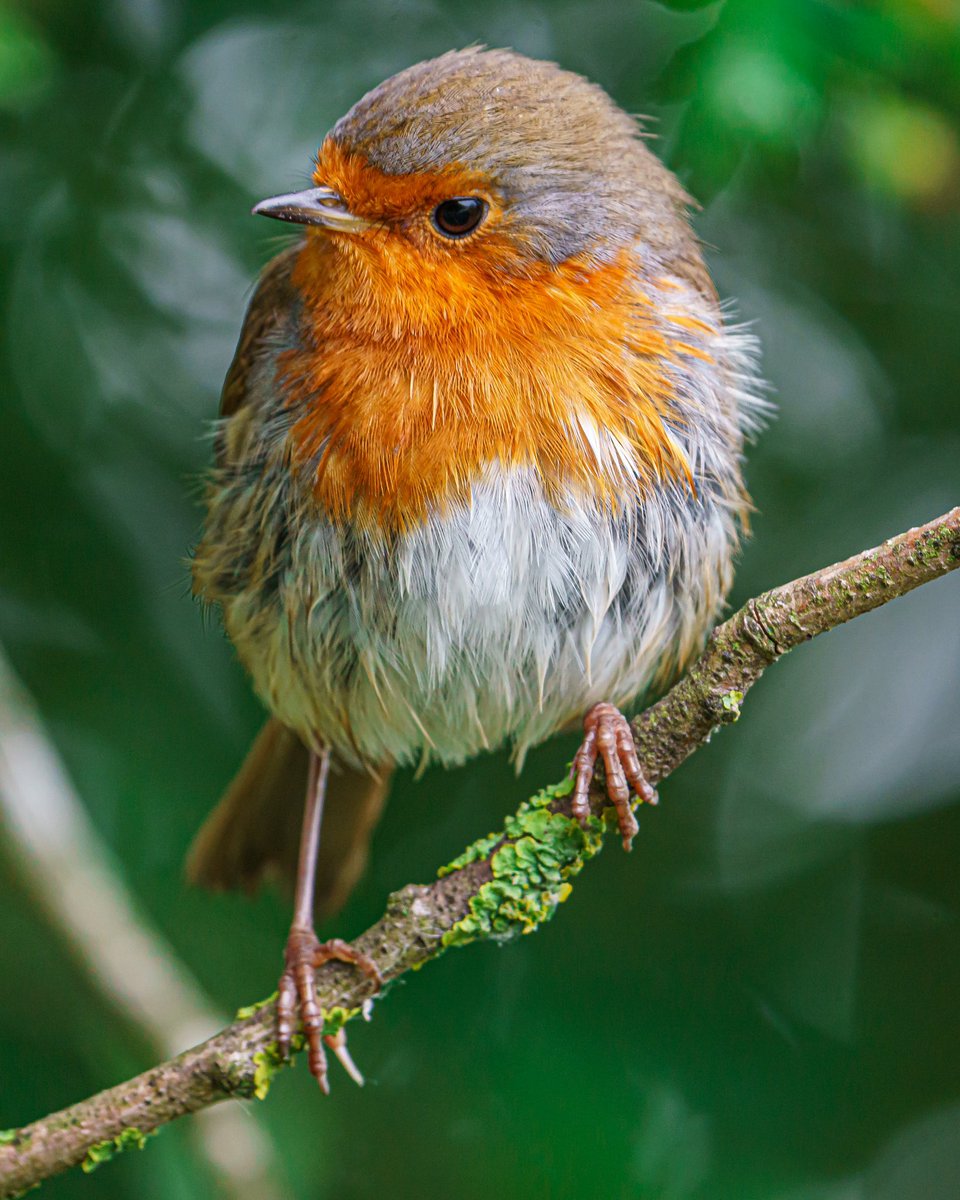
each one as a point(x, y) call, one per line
point(415, 379)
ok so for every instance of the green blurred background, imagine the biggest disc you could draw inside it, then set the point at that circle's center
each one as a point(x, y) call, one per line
point(760, 1002)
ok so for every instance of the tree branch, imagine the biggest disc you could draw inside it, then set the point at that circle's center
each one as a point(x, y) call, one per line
point(505, 883)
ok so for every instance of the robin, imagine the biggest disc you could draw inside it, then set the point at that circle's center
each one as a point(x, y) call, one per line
point(478, 467)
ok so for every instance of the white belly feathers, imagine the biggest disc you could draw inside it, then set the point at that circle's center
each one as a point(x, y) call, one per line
point(504, 619)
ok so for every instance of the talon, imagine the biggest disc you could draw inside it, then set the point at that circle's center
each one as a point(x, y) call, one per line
point(607, 736)
point(304, 954)
point(337, 1042)
point(584, 762)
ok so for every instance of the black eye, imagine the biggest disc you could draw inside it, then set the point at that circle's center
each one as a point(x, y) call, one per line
point(460, 216)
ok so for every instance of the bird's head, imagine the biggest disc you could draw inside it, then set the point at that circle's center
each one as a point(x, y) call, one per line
point(486, 158)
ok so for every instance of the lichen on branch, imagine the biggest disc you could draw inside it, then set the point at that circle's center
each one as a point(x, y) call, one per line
point(531, 864)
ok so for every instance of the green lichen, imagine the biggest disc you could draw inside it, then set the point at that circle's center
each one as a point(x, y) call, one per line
point(335, 1018)
point(8, 1136)
point(844, 595)
point(932, 545)
point(101, 1152)
point(267, 1062)
point(250, 1010)
point(731, 702)
point(540, 852)
point(479, 849)
point(553, 791)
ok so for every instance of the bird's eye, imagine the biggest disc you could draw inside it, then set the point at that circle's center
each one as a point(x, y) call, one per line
point(460, 216)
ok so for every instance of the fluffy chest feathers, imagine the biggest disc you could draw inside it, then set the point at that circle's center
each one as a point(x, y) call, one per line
point(503, 619)
point(413, 374)
point(511, 591)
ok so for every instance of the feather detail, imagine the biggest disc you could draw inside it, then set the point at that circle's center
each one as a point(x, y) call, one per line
point(556, 356)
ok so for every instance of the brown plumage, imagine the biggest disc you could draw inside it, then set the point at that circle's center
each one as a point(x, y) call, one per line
point(252, 836)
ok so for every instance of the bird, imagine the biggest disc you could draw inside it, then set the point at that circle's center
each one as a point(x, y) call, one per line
point(478, 468)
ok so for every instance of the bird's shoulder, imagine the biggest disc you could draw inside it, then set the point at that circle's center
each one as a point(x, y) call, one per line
point(270, 305)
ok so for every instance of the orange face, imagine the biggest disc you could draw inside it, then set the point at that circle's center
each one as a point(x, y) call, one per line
point(428, 358)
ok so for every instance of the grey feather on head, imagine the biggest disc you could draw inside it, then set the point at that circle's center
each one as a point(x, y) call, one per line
point(568, 164)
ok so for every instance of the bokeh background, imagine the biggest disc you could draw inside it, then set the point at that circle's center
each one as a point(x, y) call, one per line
point(761, 1001)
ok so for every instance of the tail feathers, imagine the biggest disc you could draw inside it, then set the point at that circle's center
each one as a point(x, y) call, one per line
point(253, 834)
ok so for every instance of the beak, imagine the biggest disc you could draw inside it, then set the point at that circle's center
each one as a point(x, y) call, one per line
point(316, 206)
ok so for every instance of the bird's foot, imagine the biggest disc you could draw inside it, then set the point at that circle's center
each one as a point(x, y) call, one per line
point(606, 735)
point(303, 955)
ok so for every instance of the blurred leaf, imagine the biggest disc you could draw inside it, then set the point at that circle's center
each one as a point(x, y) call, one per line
point(905, 149)
point(27, 63)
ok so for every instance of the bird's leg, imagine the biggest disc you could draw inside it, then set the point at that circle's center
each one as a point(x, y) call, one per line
point(606, 735)
point(304, 952)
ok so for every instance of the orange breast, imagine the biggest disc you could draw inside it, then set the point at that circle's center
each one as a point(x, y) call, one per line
point(421, 369)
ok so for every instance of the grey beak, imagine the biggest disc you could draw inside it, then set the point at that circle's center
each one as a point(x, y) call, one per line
point(316, 206)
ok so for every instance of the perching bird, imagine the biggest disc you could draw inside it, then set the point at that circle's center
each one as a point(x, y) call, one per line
point(478, 468)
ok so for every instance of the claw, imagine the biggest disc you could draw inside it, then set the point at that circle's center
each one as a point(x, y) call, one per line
point(606, 735)
point(337, 1042)
point(304, 954)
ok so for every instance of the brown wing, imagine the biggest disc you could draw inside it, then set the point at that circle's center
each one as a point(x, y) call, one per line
point(268, 307)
